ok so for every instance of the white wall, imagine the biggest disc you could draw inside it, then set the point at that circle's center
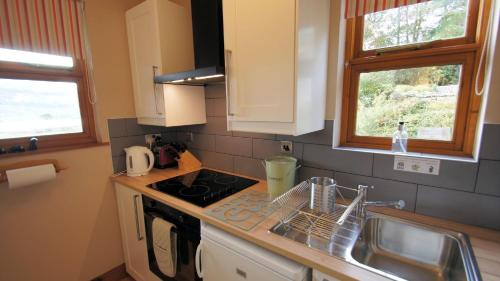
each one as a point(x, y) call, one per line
point(492, 93)
point(335, 59)
point(68, 229)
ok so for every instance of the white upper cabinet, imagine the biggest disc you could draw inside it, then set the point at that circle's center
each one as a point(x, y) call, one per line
point(160, 40)
point(276, 65)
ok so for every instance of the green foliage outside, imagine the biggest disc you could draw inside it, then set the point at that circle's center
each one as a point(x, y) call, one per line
point(424, 22)
point(423, 97)
point(383, 102)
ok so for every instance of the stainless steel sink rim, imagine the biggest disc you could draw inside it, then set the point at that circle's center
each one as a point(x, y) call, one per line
point(462, 240)
point(344, 250)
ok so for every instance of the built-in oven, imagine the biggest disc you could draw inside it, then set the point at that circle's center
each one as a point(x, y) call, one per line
point(187, 230)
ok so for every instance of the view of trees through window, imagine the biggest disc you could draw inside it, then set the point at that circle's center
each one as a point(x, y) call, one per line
point(425, 98)
point(423, 22)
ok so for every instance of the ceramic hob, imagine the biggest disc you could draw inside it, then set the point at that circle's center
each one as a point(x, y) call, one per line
point(203, 187)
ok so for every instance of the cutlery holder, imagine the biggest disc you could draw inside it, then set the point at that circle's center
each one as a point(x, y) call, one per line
point(323, 194)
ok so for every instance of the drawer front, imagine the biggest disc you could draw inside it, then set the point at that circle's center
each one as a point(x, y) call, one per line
point(220, 263)
point(319, 276)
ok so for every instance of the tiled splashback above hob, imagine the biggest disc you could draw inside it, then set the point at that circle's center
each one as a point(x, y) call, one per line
point(463, 192)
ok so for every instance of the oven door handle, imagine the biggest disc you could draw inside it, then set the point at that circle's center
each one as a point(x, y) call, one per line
point(197, 261)
point(137, 223)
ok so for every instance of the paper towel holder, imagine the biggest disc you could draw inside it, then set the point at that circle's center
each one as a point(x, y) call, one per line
point(26, 164)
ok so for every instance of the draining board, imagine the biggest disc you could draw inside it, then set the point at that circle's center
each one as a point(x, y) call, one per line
point(245, 211)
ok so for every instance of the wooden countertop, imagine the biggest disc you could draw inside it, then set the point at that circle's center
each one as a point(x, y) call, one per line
point(485, 242)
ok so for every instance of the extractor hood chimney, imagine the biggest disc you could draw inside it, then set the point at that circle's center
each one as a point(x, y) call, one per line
point(208, 43)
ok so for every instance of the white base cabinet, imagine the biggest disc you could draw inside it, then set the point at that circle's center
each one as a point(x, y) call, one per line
point(320, 276)
point(223, 257)
point(133, 233)
point(276, 65)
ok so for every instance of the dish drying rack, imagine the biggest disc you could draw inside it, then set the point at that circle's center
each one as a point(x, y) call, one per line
point(297, 214)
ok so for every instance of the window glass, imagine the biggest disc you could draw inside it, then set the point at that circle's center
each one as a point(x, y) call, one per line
point(423, 22)
point(425, 98)
point(38, 108)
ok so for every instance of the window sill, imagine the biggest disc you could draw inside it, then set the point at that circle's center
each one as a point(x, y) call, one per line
point(52, 149)
point(411, 154)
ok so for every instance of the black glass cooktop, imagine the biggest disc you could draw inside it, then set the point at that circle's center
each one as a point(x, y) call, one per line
point(203, 187)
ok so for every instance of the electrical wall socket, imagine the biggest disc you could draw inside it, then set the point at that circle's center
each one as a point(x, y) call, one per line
point(286, 146)
point(417, 165)
point(150, 139)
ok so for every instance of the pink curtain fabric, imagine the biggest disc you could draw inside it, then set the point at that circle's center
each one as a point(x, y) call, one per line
point(45, 26)
point(354, 8)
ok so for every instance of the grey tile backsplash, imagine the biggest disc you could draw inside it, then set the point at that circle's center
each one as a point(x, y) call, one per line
point(215, 160)
point(465, 207)
point(202, 141)
point(490, 142)
point(324, 157)
point(488, 178)
point(249, 166)
point(234, 145)
point(463, 192)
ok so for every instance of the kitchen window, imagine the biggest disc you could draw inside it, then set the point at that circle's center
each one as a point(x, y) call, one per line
point(417, 64)
point(44, 83)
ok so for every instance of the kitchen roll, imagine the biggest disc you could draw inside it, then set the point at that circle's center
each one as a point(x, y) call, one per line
point(28, 176)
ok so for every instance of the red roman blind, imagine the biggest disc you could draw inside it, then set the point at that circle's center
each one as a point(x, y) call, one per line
point(354, 8)
point(45, 26)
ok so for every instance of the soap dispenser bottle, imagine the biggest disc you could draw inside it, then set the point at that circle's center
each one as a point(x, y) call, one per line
point(400, 139)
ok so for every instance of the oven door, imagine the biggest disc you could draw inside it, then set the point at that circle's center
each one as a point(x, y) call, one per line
point(188, 239)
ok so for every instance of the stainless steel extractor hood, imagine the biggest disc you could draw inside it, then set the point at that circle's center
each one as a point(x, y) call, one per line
point(208, 43)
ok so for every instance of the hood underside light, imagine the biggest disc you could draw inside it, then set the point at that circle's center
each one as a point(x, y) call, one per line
point(208, 77)
point(196, 77)
point(178, 81)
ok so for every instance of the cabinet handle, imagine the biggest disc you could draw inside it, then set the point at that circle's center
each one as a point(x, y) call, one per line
point(241, 273)
point(197, 261)
point(227, 58)
point(137, 225)
point(155, 70)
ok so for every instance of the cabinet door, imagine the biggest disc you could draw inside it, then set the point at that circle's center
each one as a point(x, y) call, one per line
point(220, 263)
point(259, 38)
point(133, 233)
point(144, 49)
point(319, 276)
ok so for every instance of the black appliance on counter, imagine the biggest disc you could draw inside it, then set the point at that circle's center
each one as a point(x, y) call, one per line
point(203, 187)
point(188, 238)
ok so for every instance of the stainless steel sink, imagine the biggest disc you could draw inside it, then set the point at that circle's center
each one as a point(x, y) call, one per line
point(395, 248)
point(405, 250)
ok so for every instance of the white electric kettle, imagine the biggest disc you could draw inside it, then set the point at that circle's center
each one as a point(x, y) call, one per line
point(139, 159)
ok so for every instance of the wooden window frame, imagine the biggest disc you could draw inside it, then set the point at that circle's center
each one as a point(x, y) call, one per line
point(465, 51)
point(76, 74)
